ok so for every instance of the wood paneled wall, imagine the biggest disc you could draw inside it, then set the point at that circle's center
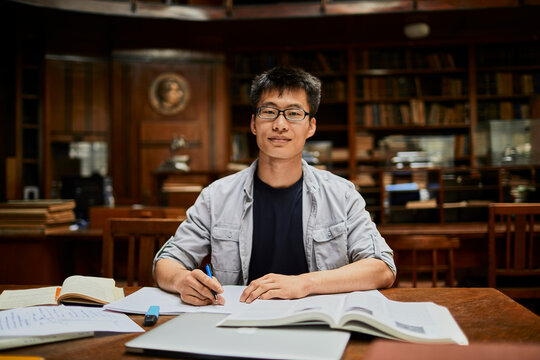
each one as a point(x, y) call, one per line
point(141, 136)
point(96, 99)
point(77, 108)
point(77, 98)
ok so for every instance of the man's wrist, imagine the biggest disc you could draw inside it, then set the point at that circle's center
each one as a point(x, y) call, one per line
point(308, 283)
point(179, 278)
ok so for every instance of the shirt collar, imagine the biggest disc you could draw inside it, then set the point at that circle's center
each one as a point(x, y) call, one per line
point(307, 172)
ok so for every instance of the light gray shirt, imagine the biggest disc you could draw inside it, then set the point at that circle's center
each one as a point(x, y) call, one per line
point(337, 228)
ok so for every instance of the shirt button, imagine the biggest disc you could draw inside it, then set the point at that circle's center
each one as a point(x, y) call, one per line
point(229, 234)
point(329, 233)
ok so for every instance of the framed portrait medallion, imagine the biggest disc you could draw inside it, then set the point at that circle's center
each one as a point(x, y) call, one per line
point(169, 93)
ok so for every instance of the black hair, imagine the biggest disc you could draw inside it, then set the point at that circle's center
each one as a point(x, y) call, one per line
point(287, 78)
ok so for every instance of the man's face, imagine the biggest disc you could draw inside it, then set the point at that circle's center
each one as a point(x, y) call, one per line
point(281, 138)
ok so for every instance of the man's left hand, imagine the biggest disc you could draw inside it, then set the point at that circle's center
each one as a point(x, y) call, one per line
point(274, 286)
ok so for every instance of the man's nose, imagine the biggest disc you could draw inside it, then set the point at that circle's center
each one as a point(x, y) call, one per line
point(280, 123)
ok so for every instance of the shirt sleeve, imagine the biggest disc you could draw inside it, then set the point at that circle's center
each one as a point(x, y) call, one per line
point(364, 239)
point(191, 242)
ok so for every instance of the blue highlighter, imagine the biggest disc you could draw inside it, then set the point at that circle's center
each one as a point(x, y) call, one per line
point(151, 316)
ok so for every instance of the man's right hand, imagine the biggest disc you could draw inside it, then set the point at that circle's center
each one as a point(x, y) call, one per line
point(194, 287)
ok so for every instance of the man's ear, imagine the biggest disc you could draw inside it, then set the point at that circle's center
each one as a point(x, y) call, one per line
point(312, 127)
point(252, 125)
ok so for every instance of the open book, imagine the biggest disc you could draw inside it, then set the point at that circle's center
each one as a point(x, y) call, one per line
point(76, 289)
point(366, 312)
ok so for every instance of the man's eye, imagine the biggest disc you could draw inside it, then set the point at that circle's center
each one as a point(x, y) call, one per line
point(294, 113)
point(268, 112)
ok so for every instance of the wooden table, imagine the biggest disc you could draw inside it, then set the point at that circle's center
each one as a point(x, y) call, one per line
point(484, 314)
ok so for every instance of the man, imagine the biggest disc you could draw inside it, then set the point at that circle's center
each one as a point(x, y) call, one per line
point(281, 227)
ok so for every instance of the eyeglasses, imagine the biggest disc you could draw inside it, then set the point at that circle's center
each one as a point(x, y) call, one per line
point(270, 113)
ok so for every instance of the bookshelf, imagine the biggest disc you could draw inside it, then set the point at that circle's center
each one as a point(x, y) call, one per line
point(508, 85)
point(28, 111)
point(411, 91)
point(374, 98)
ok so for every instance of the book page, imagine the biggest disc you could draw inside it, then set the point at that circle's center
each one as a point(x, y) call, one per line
point(329, 305)
point(425, 319)
point(97, 289)
point(411, 321)
point(312, 309)
point(11, 299)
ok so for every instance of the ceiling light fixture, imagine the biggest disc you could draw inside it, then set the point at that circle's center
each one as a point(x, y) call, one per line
point(417, 30)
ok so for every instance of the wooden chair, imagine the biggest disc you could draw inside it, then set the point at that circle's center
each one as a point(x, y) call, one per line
point(516, 257)
point(146, 235)
point(414, 244)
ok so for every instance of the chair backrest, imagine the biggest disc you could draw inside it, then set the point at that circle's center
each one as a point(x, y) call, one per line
point(516, 256)
point(145, 234)
point(147, 213)
point(158, 212)
point(426, 243)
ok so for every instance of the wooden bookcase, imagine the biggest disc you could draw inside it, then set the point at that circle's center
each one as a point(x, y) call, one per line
point(372, 95)
point(28, 113)
point(410, 91)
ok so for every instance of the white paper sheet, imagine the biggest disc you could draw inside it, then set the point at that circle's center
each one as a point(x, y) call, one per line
point(49, 320)
point(171, 304)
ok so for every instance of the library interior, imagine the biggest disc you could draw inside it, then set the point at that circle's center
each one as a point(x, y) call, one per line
point(118, 113)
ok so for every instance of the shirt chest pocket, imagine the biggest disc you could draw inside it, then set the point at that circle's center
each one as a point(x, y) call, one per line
point(225, 249)
point(330, 246)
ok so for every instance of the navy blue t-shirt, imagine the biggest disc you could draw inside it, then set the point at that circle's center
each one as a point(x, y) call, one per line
point(278, 245)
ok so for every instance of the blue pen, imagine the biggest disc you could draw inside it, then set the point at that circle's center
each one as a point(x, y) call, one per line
point(209, 272)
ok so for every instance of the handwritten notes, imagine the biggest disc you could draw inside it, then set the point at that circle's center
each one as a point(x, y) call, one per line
point(48, 320)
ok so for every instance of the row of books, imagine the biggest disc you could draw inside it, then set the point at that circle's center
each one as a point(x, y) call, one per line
point(507, 83)
point(318, 62)
point(240, 91)
point(410, 86)
point(312, 61)
point(412, 113)
point(414, 59)
point(497, 55)
point(329, 62)
point(491, 110)
point(254, 63)
point(39, 216)
point(334, 91)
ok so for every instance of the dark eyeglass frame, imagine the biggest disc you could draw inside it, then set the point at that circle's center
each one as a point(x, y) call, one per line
point(279, 112)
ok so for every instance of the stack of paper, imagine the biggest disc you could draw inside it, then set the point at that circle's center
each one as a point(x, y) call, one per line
point(170, 304)
point(41, 324)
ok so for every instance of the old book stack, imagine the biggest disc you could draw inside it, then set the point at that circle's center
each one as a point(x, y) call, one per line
point(36, 216)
